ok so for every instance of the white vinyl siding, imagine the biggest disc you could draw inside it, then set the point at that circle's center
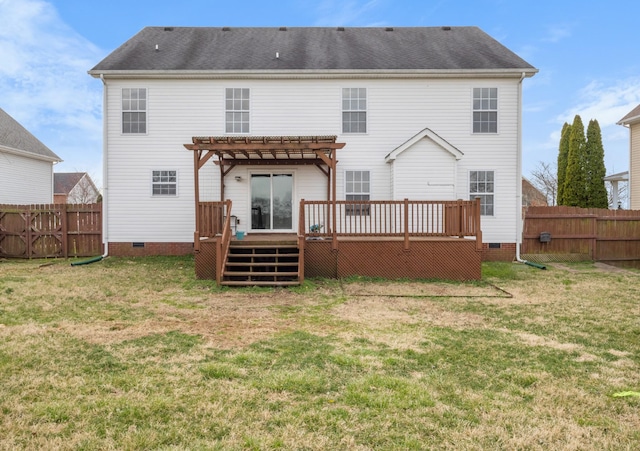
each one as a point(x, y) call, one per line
point(354, 110)
point(25, 180)
point(237, 110)
point(634, 166)
point(425, 171)
point(189, 107)
point(134, 110)
point(485, 110)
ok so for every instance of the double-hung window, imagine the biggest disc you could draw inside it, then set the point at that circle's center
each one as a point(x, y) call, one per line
point(237, 110)
point(357, 188)
point(485, 110)
point(481, 184)
point(354, 110)
point(134, 110)
point(164, 183)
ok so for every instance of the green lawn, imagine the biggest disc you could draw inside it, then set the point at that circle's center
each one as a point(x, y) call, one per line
point(137, 354)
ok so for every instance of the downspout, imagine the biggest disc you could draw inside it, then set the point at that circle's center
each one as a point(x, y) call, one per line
point(519, 182)
point(105, 171)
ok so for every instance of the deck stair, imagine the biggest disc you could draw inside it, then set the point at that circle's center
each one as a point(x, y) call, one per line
point(262, 263)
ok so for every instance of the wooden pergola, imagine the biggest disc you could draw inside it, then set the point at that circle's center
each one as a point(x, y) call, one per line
point(232, 151)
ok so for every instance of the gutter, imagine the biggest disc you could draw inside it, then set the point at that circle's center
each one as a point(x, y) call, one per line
point(312, 73)
point(33, 156)
point(519, 182)
point(105, 172)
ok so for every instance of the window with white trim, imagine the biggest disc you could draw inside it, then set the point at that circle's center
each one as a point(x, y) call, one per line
point(354, 110)
point(134, 110)
point(485, 110)
point(481, 184)
point(237, 110)
point(357, 187)
point(164, 183)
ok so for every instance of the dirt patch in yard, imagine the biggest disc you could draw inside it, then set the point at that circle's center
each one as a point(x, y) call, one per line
point(421, 289)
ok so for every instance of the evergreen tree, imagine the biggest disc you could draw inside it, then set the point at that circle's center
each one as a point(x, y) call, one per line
point(575, 181)
point(596, 192)
point(563, 153)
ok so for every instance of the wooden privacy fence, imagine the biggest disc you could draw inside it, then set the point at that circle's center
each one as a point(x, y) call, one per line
point(52, 230)
point(571, 233)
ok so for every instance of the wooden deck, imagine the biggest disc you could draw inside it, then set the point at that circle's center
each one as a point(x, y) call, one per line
point(433, 257)
point(389, 239)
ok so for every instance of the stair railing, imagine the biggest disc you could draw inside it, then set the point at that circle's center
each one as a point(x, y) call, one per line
point(223, 241)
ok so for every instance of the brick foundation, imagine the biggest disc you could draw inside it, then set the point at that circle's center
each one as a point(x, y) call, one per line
point(498, 252)
point(147, 249)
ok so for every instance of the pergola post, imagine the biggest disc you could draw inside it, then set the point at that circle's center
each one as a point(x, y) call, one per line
point(334, 240)
point(196, 182)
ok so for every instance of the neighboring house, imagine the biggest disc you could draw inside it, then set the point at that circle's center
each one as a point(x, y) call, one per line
point(74, 188)
point(632, 122)
point(616, 190)
point(26, 165)
point(532, 196)
point(424, 113)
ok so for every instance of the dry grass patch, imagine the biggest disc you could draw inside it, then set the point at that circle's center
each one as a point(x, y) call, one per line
point(137, 354)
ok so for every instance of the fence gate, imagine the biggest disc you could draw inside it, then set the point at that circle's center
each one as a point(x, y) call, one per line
point(51, 230)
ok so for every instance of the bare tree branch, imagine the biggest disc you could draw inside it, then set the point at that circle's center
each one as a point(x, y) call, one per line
point(544, 178)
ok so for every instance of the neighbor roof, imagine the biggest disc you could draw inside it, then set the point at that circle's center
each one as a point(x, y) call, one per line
point(198, 49)
point(14, 137)
point(631, 117)
point(64, 182)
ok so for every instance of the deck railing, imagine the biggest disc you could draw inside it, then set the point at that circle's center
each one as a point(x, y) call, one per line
point(403, 218)
point(214, 221)
point(211, 217)
point(222, 243)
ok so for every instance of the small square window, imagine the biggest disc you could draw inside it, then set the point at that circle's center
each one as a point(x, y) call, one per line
point(164, 183)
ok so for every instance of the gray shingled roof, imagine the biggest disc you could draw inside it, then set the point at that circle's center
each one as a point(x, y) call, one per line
point(64, 182)
point(15, 136)
point(632, 116)
point(312, 48)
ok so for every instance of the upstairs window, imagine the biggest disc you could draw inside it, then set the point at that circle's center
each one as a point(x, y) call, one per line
point(485, 110)
point(164, 183)
point(357, 188)
point(134, 110)
point(354, 110)
point(237, 110)
point(481, 184)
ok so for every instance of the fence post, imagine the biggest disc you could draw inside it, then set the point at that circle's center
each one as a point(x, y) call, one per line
point(594, 240)
point(27, 224)
point(65, 230)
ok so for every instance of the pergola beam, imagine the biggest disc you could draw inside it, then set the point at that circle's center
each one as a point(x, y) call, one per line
point(233, 151)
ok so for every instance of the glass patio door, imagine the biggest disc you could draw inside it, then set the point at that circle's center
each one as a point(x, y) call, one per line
point(272, 202)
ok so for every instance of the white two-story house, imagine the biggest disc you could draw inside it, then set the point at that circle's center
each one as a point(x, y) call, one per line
point(425, 113)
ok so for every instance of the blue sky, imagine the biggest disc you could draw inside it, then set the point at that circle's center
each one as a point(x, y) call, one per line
point(586, 52)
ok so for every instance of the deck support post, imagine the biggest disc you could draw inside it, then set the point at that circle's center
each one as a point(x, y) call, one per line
point(406, 224)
